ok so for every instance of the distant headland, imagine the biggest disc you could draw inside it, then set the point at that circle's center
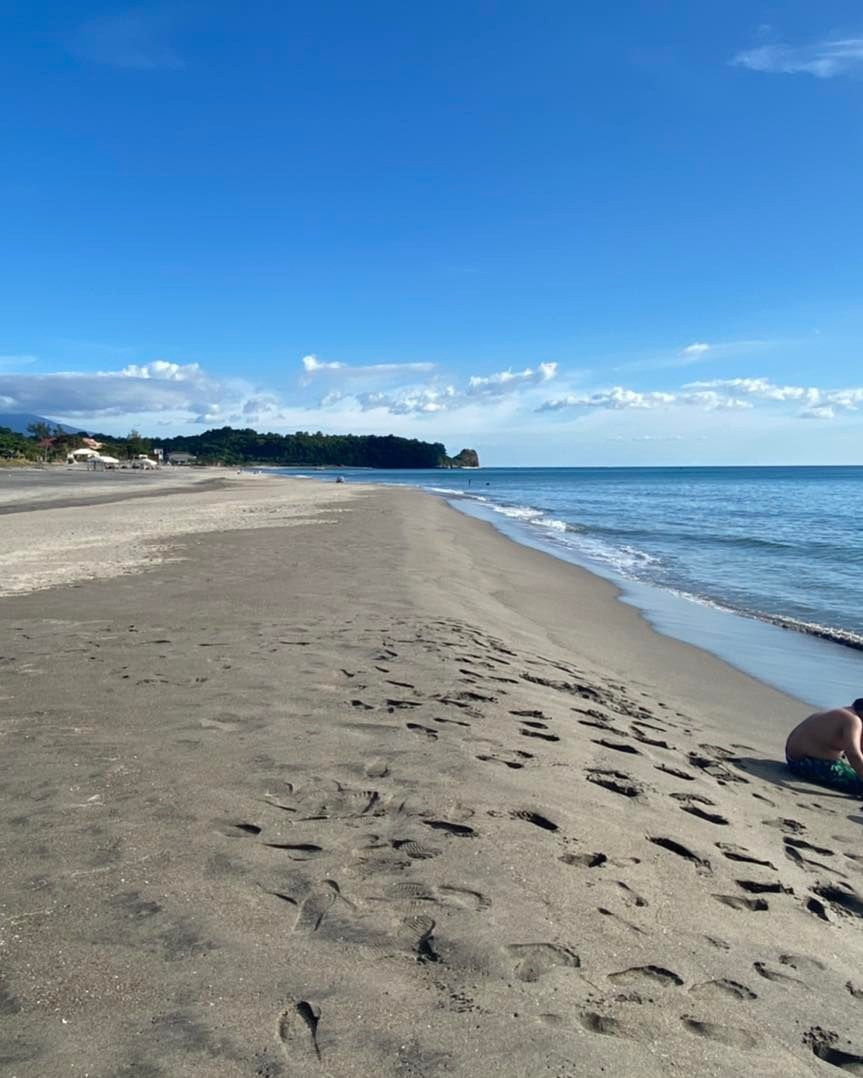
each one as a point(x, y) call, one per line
point(46, 440)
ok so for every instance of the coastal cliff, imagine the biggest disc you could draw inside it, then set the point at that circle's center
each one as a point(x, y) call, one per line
point(467, 458)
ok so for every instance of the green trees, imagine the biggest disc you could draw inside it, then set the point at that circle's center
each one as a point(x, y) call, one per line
point(14, 445)
point(42, 430)
point(135, 445)
point(229, 446)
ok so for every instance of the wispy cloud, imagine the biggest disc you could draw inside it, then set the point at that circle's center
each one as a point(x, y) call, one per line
point(432, 397)
point(135, 39)
point(17, 360)
point(506, 381)
point(313, 366)
point(816, 403)
point(425, 400)
point(162, 368)
point(824, 59)
point(696, 352)
point(721, 394)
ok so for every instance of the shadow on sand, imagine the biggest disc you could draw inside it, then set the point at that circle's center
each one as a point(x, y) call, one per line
point(776, 772)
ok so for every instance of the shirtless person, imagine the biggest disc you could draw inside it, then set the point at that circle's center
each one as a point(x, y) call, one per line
point(826, 748)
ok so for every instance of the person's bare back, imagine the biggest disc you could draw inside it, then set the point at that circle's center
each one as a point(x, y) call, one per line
point(826, 748)
point(825, 735)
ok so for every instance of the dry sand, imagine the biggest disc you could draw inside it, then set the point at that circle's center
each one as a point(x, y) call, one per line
point(391, 795)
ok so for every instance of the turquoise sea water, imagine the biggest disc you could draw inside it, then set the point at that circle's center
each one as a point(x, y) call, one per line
point(763, 566)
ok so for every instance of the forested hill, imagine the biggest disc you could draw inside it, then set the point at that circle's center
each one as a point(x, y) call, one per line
point(230, 446)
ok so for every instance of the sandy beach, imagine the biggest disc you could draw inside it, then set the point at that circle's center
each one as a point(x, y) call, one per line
point(304, 779)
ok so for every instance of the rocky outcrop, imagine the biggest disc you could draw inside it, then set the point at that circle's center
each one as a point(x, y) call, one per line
point(467, 458)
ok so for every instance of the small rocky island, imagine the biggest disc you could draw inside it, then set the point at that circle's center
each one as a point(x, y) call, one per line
point(467, 458)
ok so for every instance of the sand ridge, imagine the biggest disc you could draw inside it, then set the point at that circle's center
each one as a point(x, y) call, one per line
point(315, 821)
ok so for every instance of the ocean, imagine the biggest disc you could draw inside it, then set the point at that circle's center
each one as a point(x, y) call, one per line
point(761, 566)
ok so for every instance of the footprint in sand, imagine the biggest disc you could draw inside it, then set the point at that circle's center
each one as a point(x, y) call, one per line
point(741, 854)
point(297, 851)
point(459, 830)
point(536, 818)
point(630, 897)
point(297, 1031)
point(416, 933)
point(842, 898)
point(600, 1023)
point(535, 959)
point(238, 830)
point(316, 905)
point(616, 781)
point(737, 903)
point(415, 850)
point(823, 1043)
point(514, 765)
point(422, 731)
point(676, 772)
point(617, 746)
point(803, 963)
point(621, 920)
point(721, 990)
point(727, 1035)
point(763, 970)
point(672, 846)
point(708, 817)
point(646, 977)
point(657, 743)
point(584, 860)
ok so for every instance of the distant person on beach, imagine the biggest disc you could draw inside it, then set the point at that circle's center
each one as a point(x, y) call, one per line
point(826, 748)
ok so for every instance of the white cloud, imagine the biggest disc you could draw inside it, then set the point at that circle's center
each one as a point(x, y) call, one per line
point(720, 394)
point(136, 40)
point(154, 387)
point(424, 400)
point(311, 364)
point(713, 401)
point(823, 59)
point(161, 368)
point(615, 399)
point(370, 373)
point(697, 352)
point(816, 403)
point(507, 381)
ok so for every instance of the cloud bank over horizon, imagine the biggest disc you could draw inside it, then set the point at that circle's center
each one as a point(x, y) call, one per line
point(502, 407)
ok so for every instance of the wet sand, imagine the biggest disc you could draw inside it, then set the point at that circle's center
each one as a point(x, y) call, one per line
point(362, 788)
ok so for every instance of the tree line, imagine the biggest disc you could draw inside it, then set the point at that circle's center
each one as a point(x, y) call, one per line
point(238, 447)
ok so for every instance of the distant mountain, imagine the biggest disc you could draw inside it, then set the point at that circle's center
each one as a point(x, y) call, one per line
point(20, 421)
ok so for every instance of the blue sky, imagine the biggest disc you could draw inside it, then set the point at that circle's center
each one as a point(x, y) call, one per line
point(590, 233)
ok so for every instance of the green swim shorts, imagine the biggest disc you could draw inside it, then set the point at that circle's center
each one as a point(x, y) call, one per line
point(836, 774)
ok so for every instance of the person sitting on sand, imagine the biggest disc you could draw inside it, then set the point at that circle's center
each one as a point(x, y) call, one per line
point(826, 748)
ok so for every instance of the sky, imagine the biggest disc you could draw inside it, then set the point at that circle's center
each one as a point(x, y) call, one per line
point(593, 233)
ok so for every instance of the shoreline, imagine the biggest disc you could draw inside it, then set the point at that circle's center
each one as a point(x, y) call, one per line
point(810, 662)
point(810, 667)
point(393, 794)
